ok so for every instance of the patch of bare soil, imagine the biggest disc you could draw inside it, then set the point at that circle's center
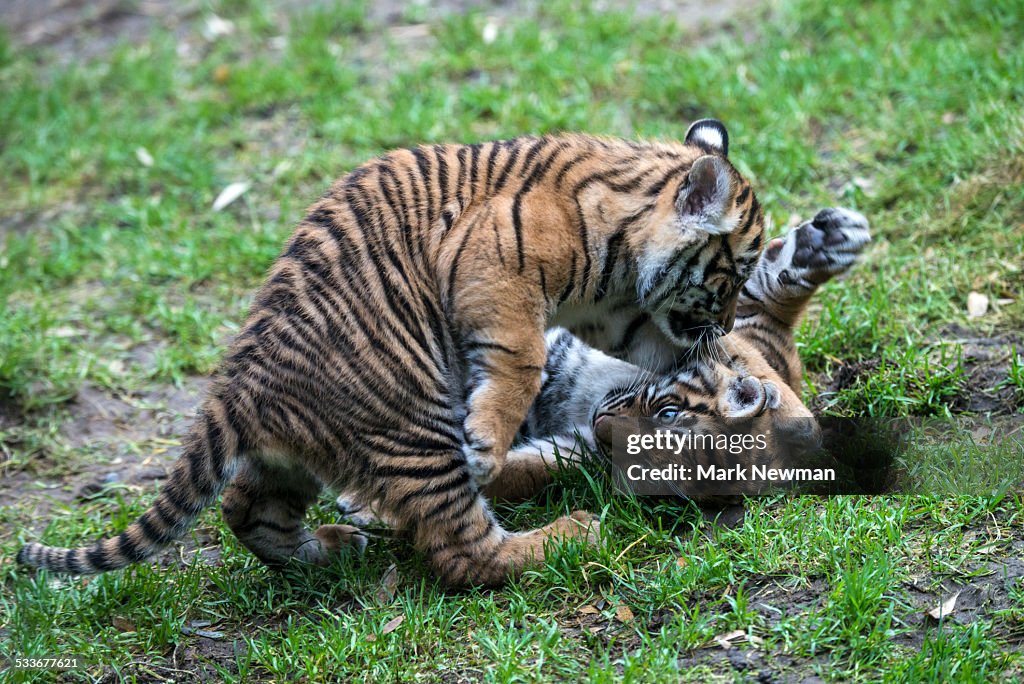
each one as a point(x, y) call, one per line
point(111, 424)
point(79, 30)
point(85, 29)
point(985, 361)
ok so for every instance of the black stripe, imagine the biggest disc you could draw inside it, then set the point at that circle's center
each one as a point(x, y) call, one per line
point(742, 197)
point(538, 172)
point(218, 454)
point(453, 271)
point(471, 500)
point(517, 226)
point(153, 533)
point(495, 146)
point(129, 549)
point(674, 172)
point(442, 170)
point(463, 171)
point(774, 358)
point(423, 163)
point(474, 168)
point(506, 170)
point(442, 487)
point(420, 472)
point(98, 559)
point(573, 162)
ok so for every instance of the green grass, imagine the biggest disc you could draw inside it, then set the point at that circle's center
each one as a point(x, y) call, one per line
point(120, 275)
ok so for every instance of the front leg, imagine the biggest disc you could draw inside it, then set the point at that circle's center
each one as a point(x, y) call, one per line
point(530, 467)
point(502, 340)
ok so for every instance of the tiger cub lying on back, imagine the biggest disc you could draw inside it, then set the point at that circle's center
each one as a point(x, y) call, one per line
point(398, 340)
point(754, 374)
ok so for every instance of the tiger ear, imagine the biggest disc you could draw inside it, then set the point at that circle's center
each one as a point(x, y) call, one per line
point(705, 194)
point(746, 397)
point(709, 135)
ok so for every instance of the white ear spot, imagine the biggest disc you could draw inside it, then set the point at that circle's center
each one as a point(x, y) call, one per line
point(709, 134)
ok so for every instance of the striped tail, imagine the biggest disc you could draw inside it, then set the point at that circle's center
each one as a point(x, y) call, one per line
point(197, 478)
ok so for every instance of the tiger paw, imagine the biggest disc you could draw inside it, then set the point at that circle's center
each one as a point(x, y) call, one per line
point(482, 465)
point(334, 538)
point(355, 512)
point(584, 525)
point(480, 454)
point(818, 249)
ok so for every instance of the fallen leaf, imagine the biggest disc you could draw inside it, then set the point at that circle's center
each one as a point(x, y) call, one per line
point(725, 640)
point(123, 625)
point(221, 73)
point(371, 637)
point(595, 629)
point(229, 195)
point(977, 305)
point(144, 157)
point(681, 562)
point(393, 624)
point(588, 610)
point(388, 585)
point(945, 608)
point(624, 614)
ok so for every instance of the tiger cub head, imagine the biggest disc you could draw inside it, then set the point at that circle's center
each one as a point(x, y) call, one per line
point(702, 244)
point(713, 399)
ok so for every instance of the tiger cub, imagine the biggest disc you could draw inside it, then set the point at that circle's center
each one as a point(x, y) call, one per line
point(398, 340)
point(754, 373)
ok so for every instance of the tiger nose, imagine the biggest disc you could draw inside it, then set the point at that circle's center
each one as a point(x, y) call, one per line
point(603, 427)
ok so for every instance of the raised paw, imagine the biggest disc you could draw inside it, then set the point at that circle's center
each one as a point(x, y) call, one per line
point(819, 249)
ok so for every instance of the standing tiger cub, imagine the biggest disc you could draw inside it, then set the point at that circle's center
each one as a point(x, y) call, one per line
point(398, 340)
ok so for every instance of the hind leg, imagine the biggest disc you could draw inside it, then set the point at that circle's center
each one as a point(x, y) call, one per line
point(450, 521)
point(265, 507)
